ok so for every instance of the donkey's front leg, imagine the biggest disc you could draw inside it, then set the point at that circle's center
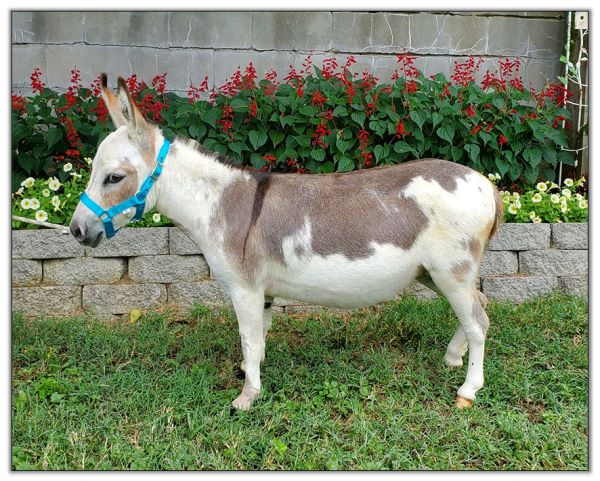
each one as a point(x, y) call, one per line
point(249, 307)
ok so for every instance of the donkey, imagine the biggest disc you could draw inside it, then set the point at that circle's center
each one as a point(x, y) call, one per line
point(341, 240)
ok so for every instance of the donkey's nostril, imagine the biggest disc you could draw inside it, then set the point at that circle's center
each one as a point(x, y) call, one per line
point(78, 233)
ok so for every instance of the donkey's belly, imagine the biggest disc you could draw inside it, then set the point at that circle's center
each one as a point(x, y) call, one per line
point(341, 282)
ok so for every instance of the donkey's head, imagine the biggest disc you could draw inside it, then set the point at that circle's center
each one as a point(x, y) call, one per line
point(124, 159)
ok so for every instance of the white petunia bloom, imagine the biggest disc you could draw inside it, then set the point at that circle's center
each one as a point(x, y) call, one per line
point(513, 209)
point(537, 220)
point(555, 198)
point(542, 187)
point(566, 193)
point(536, 198)
point(41, 215)
point(578, 196)
point(497, 175)
point(68, 167)
point(156, 218)
point(76, 175)
point(532, 215)
point(583, 204)
point(46, 193)
point(54, 184)
point(569, 182)
point(88, 160)
point(28, 182)
point(55, 201)
point(492, 177)
point(553, 186)
point(564, 208)
point(20, 191)
point(35, 204)
point(26, 203)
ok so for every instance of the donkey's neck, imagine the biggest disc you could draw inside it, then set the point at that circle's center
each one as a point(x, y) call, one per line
point(191, 187)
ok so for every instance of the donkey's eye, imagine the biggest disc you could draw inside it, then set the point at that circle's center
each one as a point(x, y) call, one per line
point(113, 179)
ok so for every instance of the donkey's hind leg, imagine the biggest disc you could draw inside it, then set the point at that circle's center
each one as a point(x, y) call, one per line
point(458, 345)
point(457, 287)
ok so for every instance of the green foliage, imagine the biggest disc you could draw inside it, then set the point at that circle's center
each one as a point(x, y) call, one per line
point(547, 202)
point(319, 121)
point(368, 390)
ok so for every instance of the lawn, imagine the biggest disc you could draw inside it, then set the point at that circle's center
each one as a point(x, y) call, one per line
point(365, 390)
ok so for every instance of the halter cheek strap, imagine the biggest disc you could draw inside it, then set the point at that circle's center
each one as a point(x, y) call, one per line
point(138, 200)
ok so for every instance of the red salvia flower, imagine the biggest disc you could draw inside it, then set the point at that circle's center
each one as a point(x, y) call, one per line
point(474, 130)
point(159, 82)
point(36, 84)
point(558, 120)
point(252, 108)
point(194, 93)
point(470, 111)
point(18, 103)
point(318, 99)
point(400, 130)
point(321, 131)
point(502, 140)
point(226, 121)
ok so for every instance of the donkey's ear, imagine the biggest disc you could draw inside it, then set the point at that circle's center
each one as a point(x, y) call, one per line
point(112, 104)
point(137, 127)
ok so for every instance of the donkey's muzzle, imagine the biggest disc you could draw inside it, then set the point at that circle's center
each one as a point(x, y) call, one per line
point(85, 236)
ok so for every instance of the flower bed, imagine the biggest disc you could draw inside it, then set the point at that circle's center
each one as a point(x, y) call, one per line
point(315, 120)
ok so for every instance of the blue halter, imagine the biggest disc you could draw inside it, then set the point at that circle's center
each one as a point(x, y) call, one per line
point(138, 200)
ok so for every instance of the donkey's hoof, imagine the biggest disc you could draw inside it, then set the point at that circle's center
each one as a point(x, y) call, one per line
point(463, 403)
point(245, 399)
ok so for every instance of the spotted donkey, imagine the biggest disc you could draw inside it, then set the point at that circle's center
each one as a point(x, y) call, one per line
point(345, 240)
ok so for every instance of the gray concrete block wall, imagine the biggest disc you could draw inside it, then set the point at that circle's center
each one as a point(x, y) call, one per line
point(190, 45)
point(150, 268)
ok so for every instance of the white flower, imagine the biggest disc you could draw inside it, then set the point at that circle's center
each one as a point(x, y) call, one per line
point(68, 195)
point(28, 182)
point(512, 208)
point(55, 201)
point(532, 215)
point(536, 198)
point(537, 220)
point(583, 204)
point(578, 196)
point(68, 167)
point(553, 186)
point(569, 182)
point(156, 218)
point(506, 198)
point(20, 191)
point(518, 203)
point(566, 193)
point(35, 204)
point(497, 175)
point(88, 160)
point(46, 193)
point(54, 184)
point(542, 187)
point(492, 177)
point(515, 195)
point(564, 208)
point(76, 175)
point(41, 215)
point(26, 203)
point(555, 198)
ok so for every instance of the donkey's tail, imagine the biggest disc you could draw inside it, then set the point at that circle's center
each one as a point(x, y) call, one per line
point(499, 212)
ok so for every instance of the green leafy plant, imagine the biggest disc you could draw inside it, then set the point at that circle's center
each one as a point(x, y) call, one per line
point(316, 120)
point(547, 202)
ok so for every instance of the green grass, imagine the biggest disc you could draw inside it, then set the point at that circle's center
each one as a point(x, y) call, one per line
point(367, 390)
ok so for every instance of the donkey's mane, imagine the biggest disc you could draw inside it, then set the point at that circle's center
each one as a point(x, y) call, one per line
point(220, 158)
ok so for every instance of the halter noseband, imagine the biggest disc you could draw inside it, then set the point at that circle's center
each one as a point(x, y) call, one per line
point(138, 200)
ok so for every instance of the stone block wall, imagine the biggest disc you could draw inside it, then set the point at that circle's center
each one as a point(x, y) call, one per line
point(190, 45)
point(150, 268)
